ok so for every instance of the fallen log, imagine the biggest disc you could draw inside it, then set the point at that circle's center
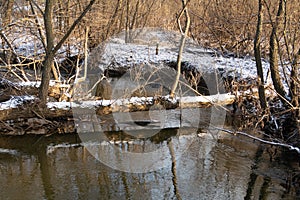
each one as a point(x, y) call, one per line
point(18, 117)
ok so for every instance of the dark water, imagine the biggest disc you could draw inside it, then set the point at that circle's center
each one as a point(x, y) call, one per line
point(222, 167)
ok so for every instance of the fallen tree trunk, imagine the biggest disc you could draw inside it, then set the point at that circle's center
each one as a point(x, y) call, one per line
point(18, 117)
point(9, 111)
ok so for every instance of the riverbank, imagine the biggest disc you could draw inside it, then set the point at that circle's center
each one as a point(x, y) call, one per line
point(137, 77)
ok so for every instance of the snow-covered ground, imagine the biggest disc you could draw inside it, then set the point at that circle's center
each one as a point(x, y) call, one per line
point(143, 50)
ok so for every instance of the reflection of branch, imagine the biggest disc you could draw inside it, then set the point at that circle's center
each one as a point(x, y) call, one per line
point(290, 147)
point(174, 170)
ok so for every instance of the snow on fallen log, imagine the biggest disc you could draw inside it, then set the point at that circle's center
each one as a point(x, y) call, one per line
point(27, 106)
point(218, 99)
point(15, 102)
point(144, 103)
point(23, 115)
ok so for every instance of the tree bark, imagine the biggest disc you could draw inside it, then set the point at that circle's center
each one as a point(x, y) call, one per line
point(277, 82)
point(51, 49)
point(49, 59)
point(182, 43)
point(6, 20)
point(43, 39)
point(127, 23)
point(257, 53)
point(295, 82)
point(39, 26)
point(6, 17)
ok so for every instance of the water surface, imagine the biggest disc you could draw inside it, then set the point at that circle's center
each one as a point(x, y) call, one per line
point(223, 167)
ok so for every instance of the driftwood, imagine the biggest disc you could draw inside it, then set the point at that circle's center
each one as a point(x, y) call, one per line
point(58, 117)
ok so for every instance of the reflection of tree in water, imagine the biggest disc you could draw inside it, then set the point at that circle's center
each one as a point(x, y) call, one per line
point(224, 171)
point(138, 140)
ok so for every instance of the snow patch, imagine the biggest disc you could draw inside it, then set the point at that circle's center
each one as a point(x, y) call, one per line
point(208, 99)
point(142, 50)
point(16, 101)
point(8, 151)
point(37, 84)
point(82, 104)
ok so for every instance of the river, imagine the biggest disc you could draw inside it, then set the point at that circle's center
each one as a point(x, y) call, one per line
point(222, 167)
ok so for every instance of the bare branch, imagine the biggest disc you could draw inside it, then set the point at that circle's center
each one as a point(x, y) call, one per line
point(3, 36)
point(77, 21)
point(290, 147)
point(38, 24)
point(182, 43)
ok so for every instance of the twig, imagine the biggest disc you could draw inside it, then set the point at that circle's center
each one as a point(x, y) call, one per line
point(283, 98)
point(38, 24)
point(72, 27)
point(41, 117)
point(38, 7)
point(23, 64)
point(14, 73)
point(261, 119)
point(180, 15)
point(24, 74)
point(7, 126)
point(205, 97)
point(100, 79)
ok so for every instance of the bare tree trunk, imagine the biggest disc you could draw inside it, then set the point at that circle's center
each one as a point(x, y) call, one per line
point(131, 19)
point(277, 82)
point(43, 39)
point(6, 20)
point(51, 49)
point(135, 15)
point(295, 82)
point(113, 19)
point(127, 23)
point(6, 16)
point(257, 53)
point(49, 59)
point(182, 43)
point(38, 24)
